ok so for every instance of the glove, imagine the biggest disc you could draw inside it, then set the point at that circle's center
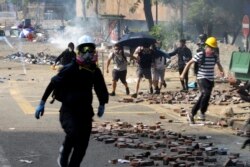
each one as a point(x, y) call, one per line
point(101, 109)
point(40, 109)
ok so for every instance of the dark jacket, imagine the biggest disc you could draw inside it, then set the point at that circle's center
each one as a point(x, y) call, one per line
point(76, 85)
point(184, 55)
point(66, 57)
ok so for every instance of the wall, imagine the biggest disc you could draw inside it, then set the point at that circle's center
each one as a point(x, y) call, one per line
point(112, 7)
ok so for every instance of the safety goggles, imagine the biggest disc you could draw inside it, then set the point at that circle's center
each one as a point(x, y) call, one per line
point(86, 49)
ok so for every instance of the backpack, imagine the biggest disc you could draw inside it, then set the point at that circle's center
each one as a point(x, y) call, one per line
point(57, 94)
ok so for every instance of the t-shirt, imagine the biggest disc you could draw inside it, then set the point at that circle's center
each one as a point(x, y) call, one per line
point(206, 65)
point(120, 62)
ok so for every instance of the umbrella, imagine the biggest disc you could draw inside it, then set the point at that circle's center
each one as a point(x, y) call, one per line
point(161, 53)
point(134, 39)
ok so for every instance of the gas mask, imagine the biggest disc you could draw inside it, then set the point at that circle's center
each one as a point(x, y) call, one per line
point(86, 56)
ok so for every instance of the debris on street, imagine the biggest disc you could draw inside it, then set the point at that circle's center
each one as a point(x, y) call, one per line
point(157, 146)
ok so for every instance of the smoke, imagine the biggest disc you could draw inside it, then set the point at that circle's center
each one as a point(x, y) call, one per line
point(76, 28)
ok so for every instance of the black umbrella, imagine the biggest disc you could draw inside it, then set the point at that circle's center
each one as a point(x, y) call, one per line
point(134, 39)
point(161, 53)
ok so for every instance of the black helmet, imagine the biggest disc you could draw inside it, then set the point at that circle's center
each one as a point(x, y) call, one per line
point(203, 37)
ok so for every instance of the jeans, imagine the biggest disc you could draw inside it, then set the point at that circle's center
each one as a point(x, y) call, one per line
point(206, 87)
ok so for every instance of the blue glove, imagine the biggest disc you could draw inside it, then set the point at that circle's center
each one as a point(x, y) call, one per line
point(101, 109)
point(40, 109)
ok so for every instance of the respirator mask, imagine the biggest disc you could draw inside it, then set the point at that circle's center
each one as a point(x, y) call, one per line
point(86, 55)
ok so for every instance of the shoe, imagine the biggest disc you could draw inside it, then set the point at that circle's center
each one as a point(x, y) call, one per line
point(190, 118)
point(157, 91)
point(60, 161)
point(112, 94)
point(134, 95)
point(127, 91)
point(60, 156)
point(202, 117)
point(151, 90)
point(164, 84)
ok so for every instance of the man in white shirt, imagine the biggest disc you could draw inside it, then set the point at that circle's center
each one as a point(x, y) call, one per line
point(120, 68)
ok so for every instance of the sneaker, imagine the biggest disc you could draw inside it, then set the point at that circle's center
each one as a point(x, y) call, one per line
point(190, 118)
point(134, 95)
point(164, 84)
point(59, 160)
point(202, 117)
point(157, 91)
point(112, 94)
point(151, 90)
point(127, 91)
point(60, 156)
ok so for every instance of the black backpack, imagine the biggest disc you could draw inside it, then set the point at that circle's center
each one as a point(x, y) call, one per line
point(57, 94)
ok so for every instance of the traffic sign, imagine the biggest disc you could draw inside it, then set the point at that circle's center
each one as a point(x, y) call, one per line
point(245, 26)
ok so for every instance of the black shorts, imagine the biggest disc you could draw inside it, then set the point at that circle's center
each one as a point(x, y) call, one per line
point(144, 72)
point(119, 75)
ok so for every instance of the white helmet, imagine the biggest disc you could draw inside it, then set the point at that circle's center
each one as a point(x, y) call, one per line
point(86, 40)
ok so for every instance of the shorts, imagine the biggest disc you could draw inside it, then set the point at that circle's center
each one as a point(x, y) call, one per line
point(119, 75)
point(144, 72)
point(158, 74)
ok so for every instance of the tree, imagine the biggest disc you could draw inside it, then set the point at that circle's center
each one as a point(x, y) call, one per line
point(96, 3)
point(20, 6)
point(206, 15)
point(147, 11)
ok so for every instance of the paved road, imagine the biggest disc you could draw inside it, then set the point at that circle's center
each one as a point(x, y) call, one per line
point(23, 139)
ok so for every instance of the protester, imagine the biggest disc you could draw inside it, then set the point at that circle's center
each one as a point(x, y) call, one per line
point(158, 69)
point(205, 76)
point(184, 55)
point(67, 56)
point(120, 68)
point(75, 83)
point(144, 57)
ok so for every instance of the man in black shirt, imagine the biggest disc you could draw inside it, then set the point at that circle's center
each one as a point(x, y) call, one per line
point(67, 56)
point(76, 81)
point(184, 55)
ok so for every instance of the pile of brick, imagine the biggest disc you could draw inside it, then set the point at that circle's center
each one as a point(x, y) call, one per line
point(161, 147)
point(218, 97)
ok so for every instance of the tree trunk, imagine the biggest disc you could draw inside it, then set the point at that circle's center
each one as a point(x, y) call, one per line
point(84, 9)
point(96, 7)
point(148, 14)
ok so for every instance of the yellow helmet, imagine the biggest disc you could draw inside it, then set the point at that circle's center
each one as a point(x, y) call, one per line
point(212, 42)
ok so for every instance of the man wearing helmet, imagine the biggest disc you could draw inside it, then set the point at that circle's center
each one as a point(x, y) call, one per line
point(76, 80)
point(205, 76)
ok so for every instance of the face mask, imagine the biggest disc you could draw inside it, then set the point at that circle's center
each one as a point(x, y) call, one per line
point(86, 58)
